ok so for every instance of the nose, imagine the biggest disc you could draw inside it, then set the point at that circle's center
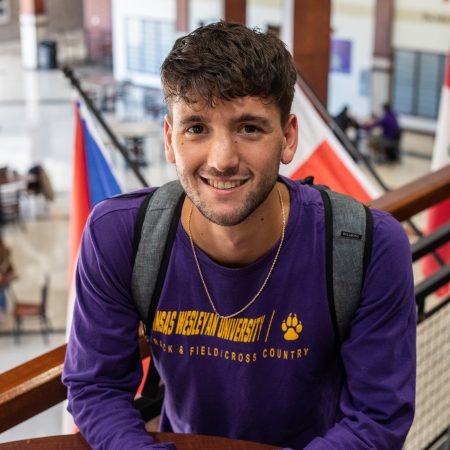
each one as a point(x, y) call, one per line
point(223, 154)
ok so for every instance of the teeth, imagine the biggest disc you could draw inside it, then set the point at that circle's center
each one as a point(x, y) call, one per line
point(225, 184)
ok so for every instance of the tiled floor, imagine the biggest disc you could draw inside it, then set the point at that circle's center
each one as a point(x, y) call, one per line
point(36, 126)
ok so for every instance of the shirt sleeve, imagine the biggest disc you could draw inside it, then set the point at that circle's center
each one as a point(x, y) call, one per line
point(379, 357)
point(103, 367)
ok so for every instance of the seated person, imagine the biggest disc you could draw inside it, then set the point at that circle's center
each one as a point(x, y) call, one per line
point(387, 143)
point(40, 183)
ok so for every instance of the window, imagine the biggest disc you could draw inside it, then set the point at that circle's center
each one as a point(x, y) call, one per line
point(417, 83)
point(148, 42)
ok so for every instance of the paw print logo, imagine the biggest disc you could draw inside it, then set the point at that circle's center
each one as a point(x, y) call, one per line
point(291, 327)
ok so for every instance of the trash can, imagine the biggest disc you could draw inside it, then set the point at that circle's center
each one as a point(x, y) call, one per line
point(47, 55)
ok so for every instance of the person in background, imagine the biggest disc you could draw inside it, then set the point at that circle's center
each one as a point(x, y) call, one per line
point(386, 145)
point(40, 183)
point(349, 125)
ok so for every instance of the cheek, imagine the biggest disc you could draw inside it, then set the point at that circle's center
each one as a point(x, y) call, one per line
point(188, 157)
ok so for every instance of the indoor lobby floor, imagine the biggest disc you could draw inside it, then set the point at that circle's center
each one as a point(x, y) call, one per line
point(37, 126)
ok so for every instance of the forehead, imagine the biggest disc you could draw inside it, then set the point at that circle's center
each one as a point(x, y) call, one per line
point(240, 106)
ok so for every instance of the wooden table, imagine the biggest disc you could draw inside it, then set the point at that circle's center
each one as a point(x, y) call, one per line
point(182, 441)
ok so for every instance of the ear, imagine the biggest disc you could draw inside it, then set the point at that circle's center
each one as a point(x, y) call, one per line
point(290, 131)
point(170, 154)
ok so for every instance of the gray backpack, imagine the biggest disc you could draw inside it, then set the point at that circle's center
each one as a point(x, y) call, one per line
point(348, 228)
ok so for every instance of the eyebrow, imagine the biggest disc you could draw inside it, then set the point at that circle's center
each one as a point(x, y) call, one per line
point(243, 118)
point(191, 119)
point(252, 118)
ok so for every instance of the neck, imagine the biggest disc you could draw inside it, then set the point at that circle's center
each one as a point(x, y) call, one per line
point(244, 243)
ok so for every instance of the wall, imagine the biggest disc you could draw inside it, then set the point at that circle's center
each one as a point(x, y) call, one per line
point(10, 31)
point(64, 15)
point(422, 25)
point(97, 22)
point(97, 13)
point(261, 13)
point(163, 10)
point(352, 20)
point(419, 25)
point(204, 11)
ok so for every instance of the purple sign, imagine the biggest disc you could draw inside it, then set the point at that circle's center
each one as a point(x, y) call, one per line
point(340, 55)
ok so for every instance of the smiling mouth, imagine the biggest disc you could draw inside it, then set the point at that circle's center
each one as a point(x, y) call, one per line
point(224, 185)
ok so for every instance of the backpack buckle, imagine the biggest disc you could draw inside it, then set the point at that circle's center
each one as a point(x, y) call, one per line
point(146, 333)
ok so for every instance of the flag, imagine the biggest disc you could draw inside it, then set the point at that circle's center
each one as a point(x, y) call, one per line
point(439, 214)
point(92, 181)
point(320, 154)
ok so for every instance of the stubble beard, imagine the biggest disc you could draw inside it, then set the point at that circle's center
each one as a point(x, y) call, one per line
point(253, 200)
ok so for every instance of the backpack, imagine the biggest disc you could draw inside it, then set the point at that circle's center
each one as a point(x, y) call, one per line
point(348, 244)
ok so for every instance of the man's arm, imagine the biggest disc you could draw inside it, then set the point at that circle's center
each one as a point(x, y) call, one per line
point(103, 368)
point(377, 400)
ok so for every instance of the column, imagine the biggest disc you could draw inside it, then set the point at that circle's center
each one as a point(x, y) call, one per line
point(33, 26)
point(311, 43)
point(382, 55)
point(235, 10)
point(182, 22)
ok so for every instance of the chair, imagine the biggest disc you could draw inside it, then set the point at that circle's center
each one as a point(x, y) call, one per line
point(28, 309)
point(10, 203)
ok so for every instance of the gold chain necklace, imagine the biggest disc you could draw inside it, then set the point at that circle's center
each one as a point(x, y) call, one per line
point(283, 218)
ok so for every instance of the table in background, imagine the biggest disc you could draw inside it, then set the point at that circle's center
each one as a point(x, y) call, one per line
point(182, 441)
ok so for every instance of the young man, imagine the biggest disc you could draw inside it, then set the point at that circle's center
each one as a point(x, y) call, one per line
point(243, 336)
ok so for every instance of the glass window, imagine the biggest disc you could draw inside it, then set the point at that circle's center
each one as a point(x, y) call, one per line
point(430, 84)
point(148, 43)
point(417, 83)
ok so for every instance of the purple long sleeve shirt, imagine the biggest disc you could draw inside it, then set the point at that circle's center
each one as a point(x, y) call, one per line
point(273, 374)
point(389, 124)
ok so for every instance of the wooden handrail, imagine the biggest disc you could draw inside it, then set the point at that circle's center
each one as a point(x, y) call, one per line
point(31, 388)
point(36, 385)
point(416, 196)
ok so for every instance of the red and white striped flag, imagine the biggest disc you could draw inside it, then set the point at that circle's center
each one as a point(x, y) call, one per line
point(321, 154)
point(439, 214)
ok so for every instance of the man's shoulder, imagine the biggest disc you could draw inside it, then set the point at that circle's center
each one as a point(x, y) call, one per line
point(126, 204)
point(389, 234)
point(385, 221)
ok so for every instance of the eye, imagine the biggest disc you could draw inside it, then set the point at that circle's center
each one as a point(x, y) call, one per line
point(195, 129)
point(250, 129)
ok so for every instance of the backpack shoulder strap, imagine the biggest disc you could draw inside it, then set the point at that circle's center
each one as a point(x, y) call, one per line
point(154, 233)
point(348, 241)
point(155, 229)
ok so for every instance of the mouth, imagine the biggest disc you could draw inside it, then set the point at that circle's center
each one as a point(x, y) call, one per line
point(224, 185)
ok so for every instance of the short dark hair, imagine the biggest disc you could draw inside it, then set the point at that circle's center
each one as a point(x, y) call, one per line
point(224, 61)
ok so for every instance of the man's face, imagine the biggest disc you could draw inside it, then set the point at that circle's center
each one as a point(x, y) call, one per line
point(227, 156)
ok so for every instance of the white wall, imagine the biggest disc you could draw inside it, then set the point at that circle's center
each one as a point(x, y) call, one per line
point(352, 20)
point(261, 13)
point(422, 25)
point(204, 11)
